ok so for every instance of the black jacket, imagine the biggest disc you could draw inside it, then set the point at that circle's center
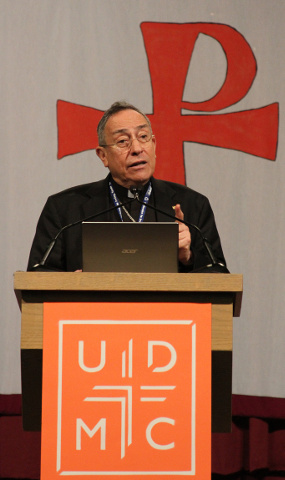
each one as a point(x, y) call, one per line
point(82, 201)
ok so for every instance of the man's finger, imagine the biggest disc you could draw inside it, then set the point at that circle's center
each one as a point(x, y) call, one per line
point(178, 212)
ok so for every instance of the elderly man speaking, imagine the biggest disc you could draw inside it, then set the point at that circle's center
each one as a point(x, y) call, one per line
point(127, 148)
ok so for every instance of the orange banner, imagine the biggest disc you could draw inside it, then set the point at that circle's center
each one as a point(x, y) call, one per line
point(126, 390)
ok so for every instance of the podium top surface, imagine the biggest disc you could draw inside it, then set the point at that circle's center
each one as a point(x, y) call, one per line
point(133, 282)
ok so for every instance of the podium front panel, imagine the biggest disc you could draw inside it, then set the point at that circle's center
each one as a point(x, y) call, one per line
point(126, 390)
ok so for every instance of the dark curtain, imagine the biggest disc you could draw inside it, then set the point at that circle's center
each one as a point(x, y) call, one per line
point(255, 449)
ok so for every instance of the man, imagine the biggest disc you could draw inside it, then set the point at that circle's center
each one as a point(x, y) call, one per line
point(127, 148)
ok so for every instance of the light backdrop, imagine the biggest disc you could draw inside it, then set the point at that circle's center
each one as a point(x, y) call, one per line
point(92, 53)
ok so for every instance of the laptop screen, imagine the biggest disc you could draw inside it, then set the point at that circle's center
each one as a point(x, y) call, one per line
point(130, 247)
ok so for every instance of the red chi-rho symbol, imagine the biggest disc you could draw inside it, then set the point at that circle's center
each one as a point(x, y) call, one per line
point(169, 48)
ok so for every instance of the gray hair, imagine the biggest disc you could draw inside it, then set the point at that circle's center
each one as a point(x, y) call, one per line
point(115, 108)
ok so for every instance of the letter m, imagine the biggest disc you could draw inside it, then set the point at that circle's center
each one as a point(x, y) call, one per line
point(101, 425)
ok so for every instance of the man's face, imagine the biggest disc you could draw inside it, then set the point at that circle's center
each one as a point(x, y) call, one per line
point(134, 165)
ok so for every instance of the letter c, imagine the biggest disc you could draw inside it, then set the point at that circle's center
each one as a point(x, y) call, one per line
point(149, 438)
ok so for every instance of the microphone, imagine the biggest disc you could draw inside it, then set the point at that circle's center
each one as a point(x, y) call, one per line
point(73, 224)
point(218, 266)
point(135, 191)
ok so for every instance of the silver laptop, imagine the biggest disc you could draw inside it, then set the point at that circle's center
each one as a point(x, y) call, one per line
point(130, 247)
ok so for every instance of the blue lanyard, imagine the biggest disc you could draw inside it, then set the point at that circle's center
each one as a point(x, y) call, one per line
point(118, 204)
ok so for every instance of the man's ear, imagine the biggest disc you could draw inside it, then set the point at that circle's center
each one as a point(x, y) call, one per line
point(101, 153)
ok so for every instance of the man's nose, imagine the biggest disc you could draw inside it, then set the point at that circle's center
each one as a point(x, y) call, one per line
point(136, 146)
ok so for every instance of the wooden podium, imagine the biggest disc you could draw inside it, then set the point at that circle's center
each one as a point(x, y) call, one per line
point(223, 291)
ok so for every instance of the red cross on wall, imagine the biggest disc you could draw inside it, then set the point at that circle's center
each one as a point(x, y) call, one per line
point(169, 48)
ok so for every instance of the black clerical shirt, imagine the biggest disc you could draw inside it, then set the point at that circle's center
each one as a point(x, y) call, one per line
point(134, 207)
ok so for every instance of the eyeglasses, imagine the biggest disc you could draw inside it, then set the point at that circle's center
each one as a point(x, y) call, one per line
point(125, 143)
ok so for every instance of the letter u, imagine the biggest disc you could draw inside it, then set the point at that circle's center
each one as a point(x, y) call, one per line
point(81, 357)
